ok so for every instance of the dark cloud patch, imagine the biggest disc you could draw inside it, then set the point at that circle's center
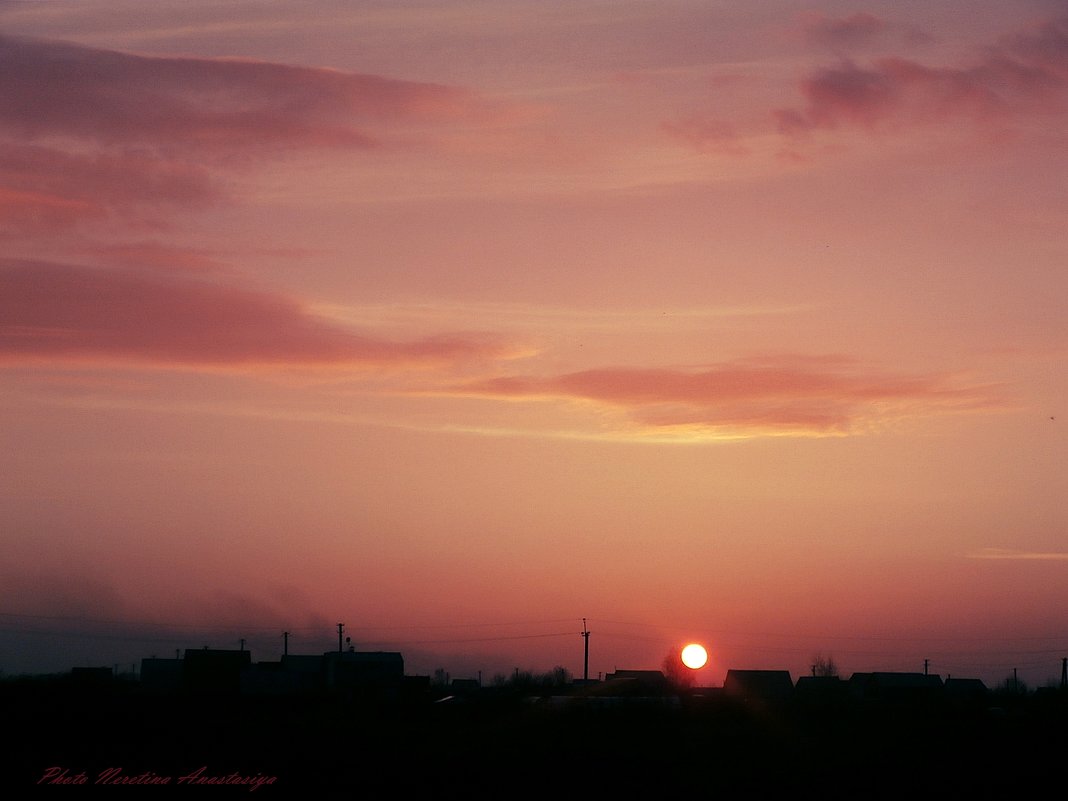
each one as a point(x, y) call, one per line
point(1024, 75)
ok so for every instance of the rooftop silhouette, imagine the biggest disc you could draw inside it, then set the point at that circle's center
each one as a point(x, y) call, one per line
point(345, 721)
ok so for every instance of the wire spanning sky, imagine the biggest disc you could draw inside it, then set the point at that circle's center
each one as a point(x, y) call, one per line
point(722, 319)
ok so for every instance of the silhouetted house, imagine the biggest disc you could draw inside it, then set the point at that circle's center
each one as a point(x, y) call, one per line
point(214, 671)
point(292, 675)
point(305, 673)
point(464, 686)
point(820, 689)
point(633, 683)
point(161, 675)
point(415, 687)
point(896, 687)
point(964, 690)
point(364, 672)
point(264, 678)
point(767, 686)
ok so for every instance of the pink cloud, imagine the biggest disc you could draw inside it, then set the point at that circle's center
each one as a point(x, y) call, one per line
point(1025, 74)
point(843, 32)
point(50, 189)
point(786, 393)
point(60, 312)
point(158, 256)
point(706, 135)
point(34, 212)
point(87, 134)
point(205, 105)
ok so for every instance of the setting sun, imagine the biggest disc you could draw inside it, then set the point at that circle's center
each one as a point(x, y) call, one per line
point(694, 656)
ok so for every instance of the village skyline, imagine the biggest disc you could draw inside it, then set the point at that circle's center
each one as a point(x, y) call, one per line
point(1031, 670)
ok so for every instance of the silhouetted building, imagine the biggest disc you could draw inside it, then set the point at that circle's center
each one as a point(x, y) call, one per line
point(464, 686)
point(161, 675)
point(820, 689)
point(964, 690)
point(892, 686)
point(292, 675)
point(364, 672)
point(759, 685)
point(214, 671)
point(305, 672)
point(633, 682)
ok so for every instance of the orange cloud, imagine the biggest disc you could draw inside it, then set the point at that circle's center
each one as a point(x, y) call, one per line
point(61, 312)
point(785, 394)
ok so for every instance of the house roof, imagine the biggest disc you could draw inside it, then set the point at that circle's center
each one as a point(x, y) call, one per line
point(905, 680)
point(965, 686)
point(215, 656)
point(893, 682)
point(820, 683)
point(763, 683)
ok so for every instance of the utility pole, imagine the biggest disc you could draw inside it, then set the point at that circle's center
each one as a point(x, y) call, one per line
point(242, 643)
point(925, 661)
point(586, 652)
point(285, 643)
point(340, 628)
point(1064, 673)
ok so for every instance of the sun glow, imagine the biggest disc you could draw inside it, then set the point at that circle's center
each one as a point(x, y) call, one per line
point(694, 656)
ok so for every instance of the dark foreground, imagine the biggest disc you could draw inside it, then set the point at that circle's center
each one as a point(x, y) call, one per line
point(69, 744)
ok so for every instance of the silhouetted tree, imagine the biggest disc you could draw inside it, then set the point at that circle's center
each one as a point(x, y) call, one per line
point(557, 677)
point(678, 675)
point(824, 666)
point(441, 677)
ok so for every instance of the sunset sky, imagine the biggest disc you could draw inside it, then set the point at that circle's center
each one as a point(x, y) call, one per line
point(462, 322)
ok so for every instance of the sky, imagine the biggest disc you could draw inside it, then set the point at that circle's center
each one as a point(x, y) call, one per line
point(470, 324)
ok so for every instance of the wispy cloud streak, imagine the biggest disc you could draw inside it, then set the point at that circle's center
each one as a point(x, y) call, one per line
point(1005, 553)
point(55, 311)
point(781, 395)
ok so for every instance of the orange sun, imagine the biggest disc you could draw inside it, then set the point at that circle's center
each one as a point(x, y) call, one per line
point(694, 656)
